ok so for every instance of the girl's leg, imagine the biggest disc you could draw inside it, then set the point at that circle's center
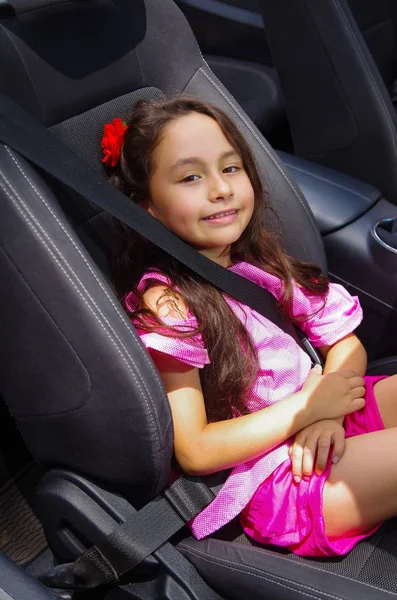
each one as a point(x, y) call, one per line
point(385, 392)
point(361, 489)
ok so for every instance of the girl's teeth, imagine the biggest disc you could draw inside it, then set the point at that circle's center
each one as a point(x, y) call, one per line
point(221, 215)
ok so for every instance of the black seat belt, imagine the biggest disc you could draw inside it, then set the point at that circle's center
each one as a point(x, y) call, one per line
point(139, 536)
point(135, 539)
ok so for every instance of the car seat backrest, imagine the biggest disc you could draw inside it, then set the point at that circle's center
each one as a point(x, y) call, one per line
point(70, 57)
point(378, 24)
point(339, 110)
point(74, 373)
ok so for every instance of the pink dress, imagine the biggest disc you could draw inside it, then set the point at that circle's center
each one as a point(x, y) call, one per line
point(283, 369)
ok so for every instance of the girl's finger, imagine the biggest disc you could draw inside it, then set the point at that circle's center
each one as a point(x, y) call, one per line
point(296, 459)
point(339, 446)
point(323, 448)
point(356, 382)
point(358, 392)
point(309, 453)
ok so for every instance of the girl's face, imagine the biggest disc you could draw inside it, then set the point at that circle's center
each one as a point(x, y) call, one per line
point(199, 188)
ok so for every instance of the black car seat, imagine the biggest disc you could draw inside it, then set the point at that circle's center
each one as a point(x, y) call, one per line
point(377, 23)
point(255, 87)
point(338, 105)
point(230, 37)
point(75, 376)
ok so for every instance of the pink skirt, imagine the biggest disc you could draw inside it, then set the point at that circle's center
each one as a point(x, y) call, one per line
point(284, 513)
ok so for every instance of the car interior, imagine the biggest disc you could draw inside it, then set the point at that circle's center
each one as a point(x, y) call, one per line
point(86, 444)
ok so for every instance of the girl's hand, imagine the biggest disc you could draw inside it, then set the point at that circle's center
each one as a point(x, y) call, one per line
point(333, 395)
point(313, 445)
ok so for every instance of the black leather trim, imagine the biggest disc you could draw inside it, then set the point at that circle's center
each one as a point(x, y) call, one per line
point(241, 571)
point(223, 9)
point(336, 199)
point(383, 366)
point(124, 383)
point(255, 87)
point(339, 109)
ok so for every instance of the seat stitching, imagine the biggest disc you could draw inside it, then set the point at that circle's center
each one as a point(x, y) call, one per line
point(67, 341)
point(353, 39)
point(271, 578)
point(276, 164)
point(140, 66)
point(60, 224)
point(250, 68)
point(153, 416)
point(360, 289)
point(51, 241)
point(285, 560)
point(35, 228)
point(188, 24)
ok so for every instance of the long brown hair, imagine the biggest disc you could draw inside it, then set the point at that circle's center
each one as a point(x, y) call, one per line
point(234, 363)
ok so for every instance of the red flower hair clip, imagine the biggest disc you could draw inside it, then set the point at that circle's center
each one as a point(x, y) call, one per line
point(113, 141)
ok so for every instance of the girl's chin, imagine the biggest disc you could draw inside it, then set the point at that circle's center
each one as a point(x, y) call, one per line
point(219, 254)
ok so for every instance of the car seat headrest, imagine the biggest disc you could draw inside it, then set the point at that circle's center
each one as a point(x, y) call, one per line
point(54, 62)
point(6, 10)
point(18, 7)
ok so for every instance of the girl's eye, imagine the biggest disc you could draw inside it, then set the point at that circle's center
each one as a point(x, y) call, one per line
point(190, 178)
point(232, 169)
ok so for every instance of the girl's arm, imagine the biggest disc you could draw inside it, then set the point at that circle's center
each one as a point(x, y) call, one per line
point(313, 444)
point(346, 354)
point(202, 447)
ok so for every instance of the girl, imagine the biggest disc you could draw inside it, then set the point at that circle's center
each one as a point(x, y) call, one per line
point(312, 454)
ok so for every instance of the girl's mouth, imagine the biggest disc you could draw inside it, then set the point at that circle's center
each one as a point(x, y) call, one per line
point(226, 216)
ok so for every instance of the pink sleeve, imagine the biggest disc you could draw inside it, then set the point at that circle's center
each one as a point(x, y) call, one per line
point(330, 321)
point(189, 350)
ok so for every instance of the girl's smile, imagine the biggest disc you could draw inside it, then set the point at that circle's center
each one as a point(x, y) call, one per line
point(199, 187)
point(222, 217)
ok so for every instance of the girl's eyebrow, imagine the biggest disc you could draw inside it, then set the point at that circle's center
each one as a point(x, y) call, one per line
point(193, 160)
point(196, 160)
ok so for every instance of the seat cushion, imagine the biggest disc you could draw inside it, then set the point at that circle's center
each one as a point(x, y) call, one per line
point(238, 569)
point(255, 87)
point(383, 366)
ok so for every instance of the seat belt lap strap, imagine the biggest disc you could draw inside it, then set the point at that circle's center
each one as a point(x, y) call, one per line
point(135, 539)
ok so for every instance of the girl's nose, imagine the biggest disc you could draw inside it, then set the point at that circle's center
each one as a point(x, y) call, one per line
point(220, 189)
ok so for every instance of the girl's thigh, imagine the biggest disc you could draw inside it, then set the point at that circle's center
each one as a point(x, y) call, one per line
point(361, 489)
point(385, 392)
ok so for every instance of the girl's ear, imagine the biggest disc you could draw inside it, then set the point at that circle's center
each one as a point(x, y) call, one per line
point(143, 204)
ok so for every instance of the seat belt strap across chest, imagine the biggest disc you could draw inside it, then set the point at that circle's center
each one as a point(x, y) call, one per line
point(24, 134)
